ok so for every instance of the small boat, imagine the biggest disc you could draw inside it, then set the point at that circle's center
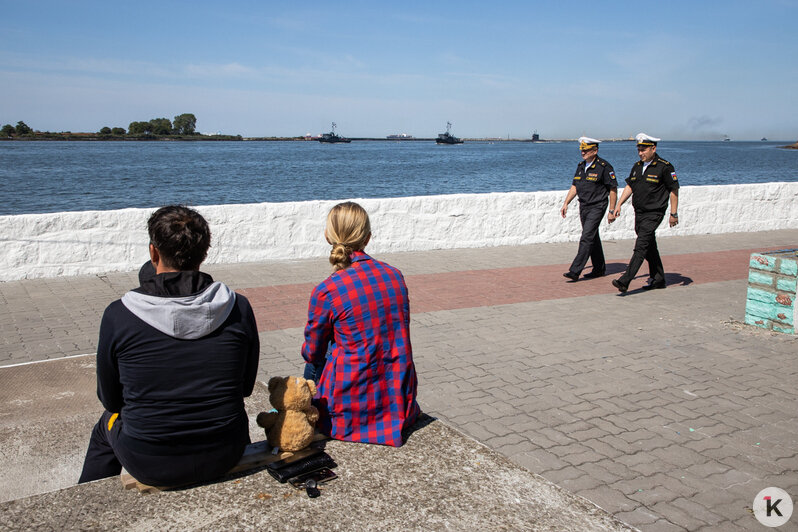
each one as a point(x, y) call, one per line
point(764, 139)
point(448, 138)
point(332, 137)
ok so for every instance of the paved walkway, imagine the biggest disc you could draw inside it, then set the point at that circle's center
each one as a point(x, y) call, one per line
point(658, 406)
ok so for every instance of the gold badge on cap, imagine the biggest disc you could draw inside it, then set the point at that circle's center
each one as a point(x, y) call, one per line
point(586, 143)
point(646, 140)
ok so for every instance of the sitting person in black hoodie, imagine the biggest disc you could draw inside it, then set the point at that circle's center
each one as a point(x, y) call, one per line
point(175, 359)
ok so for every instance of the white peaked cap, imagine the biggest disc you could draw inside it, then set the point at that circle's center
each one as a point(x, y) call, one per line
point(642, 138)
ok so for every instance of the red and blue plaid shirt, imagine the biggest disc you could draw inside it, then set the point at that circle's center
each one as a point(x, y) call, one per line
point(367, 391)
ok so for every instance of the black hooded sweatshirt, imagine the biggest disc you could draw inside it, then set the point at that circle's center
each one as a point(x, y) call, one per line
point(175, 358)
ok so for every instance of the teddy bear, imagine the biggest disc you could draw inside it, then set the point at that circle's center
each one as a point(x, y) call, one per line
point(291, 427)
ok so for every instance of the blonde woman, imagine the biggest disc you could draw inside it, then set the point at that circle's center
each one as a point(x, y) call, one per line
point(367, 388)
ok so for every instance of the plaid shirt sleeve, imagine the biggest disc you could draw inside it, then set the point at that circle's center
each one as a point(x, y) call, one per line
point(319, 329)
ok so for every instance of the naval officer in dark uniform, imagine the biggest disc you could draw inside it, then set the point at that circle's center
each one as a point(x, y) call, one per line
point(593, 181)
point(652, 182)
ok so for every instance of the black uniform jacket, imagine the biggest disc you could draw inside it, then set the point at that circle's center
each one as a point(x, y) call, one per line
point(651, 189)
point(594, 182)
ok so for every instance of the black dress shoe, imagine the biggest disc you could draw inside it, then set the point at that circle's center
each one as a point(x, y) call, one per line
point(655, 286)
point(594, 274)
point(571, 275)
point(620, 286)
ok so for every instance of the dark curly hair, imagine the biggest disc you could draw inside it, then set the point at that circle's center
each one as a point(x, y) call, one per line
point(181, 235)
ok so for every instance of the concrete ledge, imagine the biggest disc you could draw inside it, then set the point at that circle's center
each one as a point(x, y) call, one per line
point(91, 242)
point(47, 411)
point(441, 479)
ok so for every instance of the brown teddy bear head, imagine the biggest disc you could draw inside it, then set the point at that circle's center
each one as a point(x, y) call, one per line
point(291, 393)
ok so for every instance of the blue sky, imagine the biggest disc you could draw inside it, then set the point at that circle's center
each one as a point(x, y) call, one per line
point(676, 69)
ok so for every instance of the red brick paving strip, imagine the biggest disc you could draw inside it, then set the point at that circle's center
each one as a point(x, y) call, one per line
point(285, 306)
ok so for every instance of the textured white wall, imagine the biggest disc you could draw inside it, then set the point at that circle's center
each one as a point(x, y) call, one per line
point(76, 243)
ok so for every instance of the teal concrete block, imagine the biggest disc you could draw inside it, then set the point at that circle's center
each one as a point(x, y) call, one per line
point(788, 267)
point(769, 311)
point(765, 296)
point(785, 317)
point(757, 308)
point(760, 277)
point(762, 262)
point(772, 283)
point(757, 321)
point(785, 284)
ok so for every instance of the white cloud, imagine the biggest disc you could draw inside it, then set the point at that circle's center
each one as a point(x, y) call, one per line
point(93, 66)
point(228, 70)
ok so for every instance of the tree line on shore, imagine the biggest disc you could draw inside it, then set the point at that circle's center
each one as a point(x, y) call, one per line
point(183, 125)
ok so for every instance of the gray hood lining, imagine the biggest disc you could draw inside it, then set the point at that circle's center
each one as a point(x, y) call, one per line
point(185, 317)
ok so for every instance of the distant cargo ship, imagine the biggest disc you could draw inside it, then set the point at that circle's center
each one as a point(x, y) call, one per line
point(332, 137)
point(448, 138)
point(399, 136)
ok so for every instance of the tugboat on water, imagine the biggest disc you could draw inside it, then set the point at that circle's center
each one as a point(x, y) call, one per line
point(448, 138)
point(332, 137)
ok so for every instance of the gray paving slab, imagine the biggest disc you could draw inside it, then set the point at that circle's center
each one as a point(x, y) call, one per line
point(661, 408)
point(49, 318)
point(636, 429)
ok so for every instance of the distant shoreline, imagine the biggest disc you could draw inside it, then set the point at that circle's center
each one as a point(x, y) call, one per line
point(90, 137)
point(210, 138)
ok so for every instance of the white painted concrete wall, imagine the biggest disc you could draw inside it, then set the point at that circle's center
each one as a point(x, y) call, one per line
point(89, 242)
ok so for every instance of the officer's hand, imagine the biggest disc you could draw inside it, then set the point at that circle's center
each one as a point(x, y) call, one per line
point(673, 221)
point(611, 217)
point(563, 210)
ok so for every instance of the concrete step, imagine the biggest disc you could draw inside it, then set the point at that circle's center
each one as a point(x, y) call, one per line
point(440, 479)
point(47, 411)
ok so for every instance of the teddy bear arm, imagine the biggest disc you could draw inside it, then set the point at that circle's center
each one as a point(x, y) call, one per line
point(313, 414)
point(267, 419)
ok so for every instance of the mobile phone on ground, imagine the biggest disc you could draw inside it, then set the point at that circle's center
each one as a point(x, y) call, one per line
point(320, 475)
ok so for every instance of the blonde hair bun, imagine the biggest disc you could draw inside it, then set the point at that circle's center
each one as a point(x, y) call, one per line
point(348, 230)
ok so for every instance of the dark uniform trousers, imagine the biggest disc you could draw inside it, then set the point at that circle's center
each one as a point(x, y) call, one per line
point(590, 242)
point(646, 224)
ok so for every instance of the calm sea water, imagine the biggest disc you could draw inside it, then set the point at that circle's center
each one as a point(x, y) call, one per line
point(38, 177)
